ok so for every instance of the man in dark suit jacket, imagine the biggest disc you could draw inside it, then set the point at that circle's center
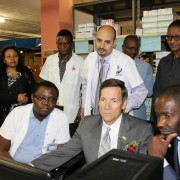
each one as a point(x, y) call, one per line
point(166, 144)
point(125, 129)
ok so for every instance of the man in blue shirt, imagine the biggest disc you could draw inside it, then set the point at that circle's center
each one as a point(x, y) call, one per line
point(29, 131)
point(131, 48)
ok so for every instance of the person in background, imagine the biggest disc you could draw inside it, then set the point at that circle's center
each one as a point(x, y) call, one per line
point(119, 130)
point(168, 71)
point(64, 70)
point(105, 63)
point(16, 81)
point(131, 47)
point(166, 144)
point(34, 129)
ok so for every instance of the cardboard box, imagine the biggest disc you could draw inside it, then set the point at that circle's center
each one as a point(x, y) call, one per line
point(49, 52)
point(90, 26)
point(30, 60)
point(37, 60)
point(81, 27)
point(79, 34)
point(127, 30)
point(107, 22)
point(89, 34)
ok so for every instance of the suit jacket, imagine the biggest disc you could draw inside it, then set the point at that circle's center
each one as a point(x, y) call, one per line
point(168, 74)
point(172, 170)
point(88, 136)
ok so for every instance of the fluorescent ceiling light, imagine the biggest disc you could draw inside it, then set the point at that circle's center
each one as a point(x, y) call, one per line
point(2, 20)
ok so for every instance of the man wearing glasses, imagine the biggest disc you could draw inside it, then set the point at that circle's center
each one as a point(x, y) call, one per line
point(34, 129)
point(131, 48)
point(168, 72)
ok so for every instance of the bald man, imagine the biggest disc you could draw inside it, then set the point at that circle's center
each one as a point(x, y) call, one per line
point(115, 65)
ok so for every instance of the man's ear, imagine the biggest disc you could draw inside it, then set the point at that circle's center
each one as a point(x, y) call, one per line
point(32, 98)
point(123, 47)
point(115, 41)
point(124, 105)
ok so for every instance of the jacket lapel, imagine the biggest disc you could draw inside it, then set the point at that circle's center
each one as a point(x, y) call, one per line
point(96, 138)
point(176, 161)
point(123, 132)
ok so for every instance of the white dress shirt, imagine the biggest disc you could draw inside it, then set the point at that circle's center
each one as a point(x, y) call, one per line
point(113, 132)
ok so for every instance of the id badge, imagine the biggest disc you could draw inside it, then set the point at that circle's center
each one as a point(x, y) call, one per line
point(51, 147)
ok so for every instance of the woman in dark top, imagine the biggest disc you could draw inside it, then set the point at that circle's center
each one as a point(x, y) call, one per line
point(16, 81)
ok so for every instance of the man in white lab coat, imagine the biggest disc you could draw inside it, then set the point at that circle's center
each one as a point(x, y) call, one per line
point(115, 65)
point(64, 70)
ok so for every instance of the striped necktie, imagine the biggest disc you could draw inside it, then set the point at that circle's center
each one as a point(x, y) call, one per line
point(105, 145)
point(100, 80)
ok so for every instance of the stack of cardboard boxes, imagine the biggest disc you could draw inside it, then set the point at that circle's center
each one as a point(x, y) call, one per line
point(86, 30)
point(89, 30)
point(156, 22)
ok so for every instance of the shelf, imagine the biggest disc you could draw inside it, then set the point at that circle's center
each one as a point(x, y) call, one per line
point(121, 10)
point(148, 44)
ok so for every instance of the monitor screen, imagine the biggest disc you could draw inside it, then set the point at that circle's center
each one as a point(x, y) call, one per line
point(10, 169)
point(123, 165)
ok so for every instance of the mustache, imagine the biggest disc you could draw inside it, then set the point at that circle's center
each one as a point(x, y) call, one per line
point(101, 49)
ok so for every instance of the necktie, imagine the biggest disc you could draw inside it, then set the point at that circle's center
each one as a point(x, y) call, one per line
point(100, 80)
point(62, 67)
point(105, 144)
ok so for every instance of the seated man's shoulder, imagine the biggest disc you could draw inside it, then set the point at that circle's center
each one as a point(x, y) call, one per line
point(58, 111)
point(140, 122)
point(91, 119)
point(26, 107)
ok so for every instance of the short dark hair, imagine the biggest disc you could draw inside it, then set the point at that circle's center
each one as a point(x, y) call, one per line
point(46, 84)
point(65, 32)
point(131, 37)
point(20, 61)
point(171, 92)
point(175, 23)
point(115, 83)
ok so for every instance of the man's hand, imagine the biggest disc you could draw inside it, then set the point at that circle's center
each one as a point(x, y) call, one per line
point(158, 145)
point(22, 98)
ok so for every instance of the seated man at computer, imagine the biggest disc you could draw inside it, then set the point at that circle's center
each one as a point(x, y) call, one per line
point(167, 144)
point(117, 129)
point(29, 130)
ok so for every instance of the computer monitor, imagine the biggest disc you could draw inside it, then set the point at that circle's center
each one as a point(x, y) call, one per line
point(10, 169)
point(122, 165)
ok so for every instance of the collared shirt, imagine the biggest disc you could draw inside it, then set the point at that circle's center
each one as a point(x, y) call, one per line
point(113, 132)
point(106, 73)
point(31, 146)
point(178, 149)
point(62, 65)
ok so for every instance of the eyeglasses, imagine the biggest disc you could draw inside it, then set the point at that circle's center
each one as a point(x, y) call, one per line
point(42, 99)
point(132, 48)
point(11, 57)
point(176, 38)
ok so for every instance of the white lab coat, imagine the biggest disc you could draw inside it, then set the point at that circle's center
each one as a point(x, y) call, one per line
point(121, 67)
point(69, 88)
point(16, 125)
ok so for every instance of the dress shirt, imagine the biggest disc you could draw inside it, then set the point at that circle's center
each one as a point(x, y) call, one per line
point(178, 149)
point(113, 132)
point(106, 72)
point(31, 146)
